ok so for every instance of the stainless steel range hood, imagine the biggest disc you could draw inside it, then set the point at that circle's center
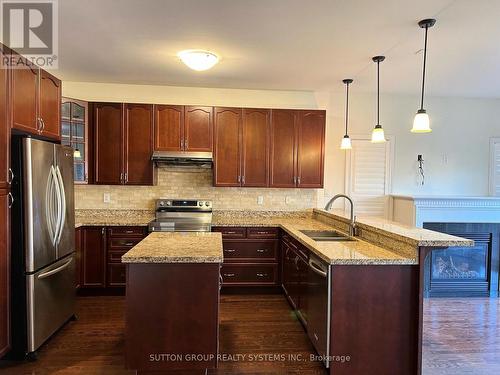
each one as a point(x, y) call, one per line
point(182, 159)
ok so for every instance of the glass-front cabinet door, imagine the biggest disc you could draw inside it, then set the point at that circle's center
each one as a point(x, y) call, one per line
point(74, 133)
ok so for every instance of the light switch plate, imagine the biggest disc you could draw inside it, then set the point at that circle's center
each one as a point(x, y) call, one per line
point(106, 198)
point(260, 199)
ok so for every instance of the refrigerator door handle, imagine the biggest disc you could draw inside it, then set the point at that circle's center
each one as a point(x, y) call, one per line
point(59, 204)
point(62, 198)
point(55, 270)
point(50, 210)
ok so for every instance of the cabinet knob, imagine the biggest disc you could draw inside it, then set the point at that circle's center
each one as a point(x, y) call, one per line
point(229, 250)
point(261, 250)
point(259, 274)
point(229, 274)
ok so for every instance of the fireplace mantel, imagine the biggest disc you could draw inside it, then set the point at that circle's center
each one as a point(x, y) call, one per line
point(417, 210)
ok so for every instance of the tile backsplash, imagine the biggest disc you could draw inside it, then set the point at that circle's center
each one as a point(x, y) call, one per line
point(197, 183)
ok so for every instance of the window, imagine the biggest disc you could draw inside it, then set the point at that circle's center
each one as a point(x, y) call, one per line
point(495, 167)
point(74, 133)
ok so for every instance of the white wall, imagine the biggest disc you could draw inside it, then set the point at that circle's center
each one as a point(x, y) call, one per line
point(461, 129)
point(461, 132)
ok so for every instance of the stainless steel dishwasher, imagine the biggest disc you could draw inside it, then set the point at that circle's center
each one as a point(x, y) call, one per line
point(318, 306)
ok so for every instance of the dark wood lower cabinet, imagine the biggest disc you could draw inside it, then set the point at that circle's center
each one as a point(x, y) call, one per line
point(93, 257)
point(4, 273)
point(251, 256)
point(172, 317)
point(101, 249)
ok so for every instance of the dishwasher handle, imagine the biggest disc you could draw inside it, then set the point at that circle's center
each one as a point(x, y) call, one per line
point(316, 267)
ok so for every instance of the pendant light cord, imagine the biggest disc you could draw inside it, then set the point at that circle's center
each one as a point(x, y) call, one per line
point(378, 92)
point(423, 72)
point(346, 107)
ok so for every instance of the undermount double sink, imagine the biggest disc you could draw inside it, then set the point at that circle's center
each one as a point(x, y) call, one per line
point(327, 235)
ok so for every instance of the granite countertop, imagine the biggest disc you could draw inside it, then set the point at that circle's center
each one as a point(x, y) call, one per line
point(177, 247)
point(101, 217)
point(412, 235)
point(380, 241)
point(338, 252)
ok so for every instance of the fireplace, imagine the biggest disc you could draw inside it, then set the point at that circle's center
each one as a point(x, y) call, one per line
point(460, 271)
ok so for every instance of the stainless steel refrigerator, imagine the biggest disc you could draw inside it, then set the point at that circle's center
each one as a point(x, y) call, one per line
point(43, 242)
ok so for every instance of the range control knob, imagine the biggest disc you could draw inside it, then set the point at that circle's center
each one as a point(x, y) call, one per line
point(207, 204)
point(200, 204)
point(169, 203)
point(162, 203)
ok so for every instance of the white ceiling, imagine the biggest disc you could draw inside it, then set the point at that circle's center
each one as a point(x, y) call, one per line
point(284, 44)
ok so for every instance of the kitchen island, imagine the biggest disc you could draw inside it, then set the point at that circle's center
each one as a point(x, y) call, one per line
point(172, 302)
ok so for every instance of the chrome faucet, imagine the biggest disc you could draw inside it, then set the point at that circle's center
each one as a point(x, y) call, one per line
point(352, 225)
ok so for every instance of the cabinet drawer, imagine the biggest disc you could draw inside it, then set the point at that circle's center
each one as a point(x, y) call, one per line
point(116, 256)
point(249, 274)
point(127, 231)
point(117, 274)
point(255, 250)
point(231, 232)
point(262, 232)
point(123, 243)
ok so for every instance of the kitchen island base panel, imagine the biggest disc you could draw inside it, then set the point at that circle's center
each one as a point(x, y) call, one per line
point(375, 320)
point(171, 313)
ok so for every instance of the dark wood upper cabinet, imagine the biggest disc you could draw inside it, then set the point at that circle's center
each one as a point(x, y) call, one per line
point(123, 143)
point(227, 139)
point(310, 149)
point(255, 147)
point(4, 273)
point(138, 134)
point(179, 128)
point(36, 99)
point(4, 126)
point(169, 127)
point(198, 127)
point(108, 155)
point(283, 155)
point(93, 257)
point(24, 98)
point(50, 105)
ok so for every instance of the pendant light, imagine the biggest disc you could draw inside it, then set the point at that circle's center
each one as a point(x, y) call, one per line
point(378, 135)
point(421, 123)
point(346, 141)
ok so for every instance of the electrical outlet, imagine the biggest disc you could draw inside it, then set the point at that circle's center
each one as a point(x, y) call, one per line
point(260, 199)
point(288, 200)
point(444, 158)
point(106, 198)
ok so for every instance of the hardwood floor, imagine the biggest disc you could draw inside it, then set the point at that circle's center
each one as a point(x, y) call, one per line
point(461, 337)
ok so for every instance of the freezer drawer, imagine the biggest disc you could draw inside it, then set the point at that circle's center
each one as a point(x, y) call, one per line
point(50, 300)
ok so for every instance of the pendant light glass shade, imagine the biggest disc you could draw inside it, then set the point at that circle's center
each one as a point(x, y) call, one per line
point(378, 135)
point(346, 143)
point(421, 122)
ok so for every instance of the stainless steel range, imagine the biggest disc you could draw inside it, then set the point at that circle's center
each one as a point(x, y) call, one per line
point(182, 215)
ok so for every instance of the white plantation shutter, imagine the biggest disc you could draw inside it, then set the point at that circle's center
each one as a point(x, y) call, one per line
point(368, 177)
point(495, 167)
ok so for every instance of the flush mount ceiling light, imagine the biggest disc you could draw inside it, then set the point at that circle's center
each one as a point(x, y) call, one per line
point(198, 60)
point(421, 123)
point(346, 141)
point(378, 135)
